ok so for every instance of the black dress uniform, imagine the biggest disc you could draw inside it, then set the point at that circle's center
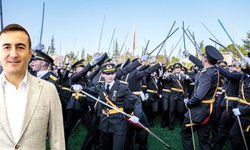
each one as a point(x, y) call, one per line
point(236, 138)
point(112, 123)
point(134, 79)
point(96, 78)
point(201, 105)
point(65, 92)
point(229, 102)
point(152, 103)
point(77, 106)
point(165, 92)
point(178, 93)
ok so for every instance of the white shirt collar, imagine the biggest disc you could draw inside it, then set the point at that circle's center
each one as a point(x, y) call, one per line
point(22, 85)
point(111, 84)
point(41, 73)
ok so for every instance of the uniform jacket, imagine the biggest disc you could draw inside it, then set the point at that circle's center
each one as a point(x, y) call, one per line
point(43, 118)
point(175, 83)
point(205, 90)
point(115, 122)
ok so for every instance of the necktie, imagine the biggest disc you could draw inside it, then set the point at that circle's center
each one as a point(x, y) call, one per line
point(107, 88)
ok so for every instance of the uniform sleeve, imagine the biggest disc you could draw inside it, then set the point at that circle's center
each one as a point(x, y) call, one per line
point(230, 75)
point(202, 89)
point(131, 97)
point(84, 71)
point(196, 61)
point(127, 69)
point(55, 126)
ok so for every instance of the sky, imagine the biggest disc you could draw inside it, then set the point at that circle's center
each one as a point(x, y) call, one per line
point(77, 24)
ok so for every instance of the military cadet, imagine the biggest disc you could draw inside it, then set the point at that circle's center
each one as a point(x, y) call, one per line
point(178, 92)
point(41, 63)
point(201, 105)
point(230, 102)
point(77, 106)
point(96, 78)
point(242, 112)
point(152, 95)
point(134, 81)
point(65, 91)
point(112, 123)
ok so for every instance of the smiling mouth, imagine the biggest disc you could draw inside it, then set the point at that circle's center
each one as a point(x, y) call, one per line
point(13, 62)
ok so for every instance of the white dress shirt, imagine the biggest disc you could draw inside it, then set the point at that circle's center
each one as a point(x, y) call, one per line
point(15, 100)
point(110, 84)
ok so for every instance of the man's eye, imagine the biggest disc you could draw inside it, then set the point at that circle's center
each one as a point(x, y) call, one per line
point(20, 47)
point(6, 47)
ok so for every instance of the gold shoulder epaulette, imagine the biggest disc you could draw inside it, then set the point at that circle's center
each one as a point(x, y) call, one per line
point(204, 70)
point(53, 77)
point(123, 82)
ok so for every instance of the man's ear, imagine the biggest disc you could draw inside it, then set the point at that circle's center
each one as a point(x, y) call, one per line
point(30, 52)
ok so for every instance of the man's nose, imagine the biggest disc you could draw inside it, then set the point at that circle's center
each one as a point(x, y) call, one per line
point(13, 52)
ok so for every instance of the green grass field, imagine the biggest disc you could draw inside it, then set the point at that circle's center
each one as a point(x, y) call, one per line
point(172, 138)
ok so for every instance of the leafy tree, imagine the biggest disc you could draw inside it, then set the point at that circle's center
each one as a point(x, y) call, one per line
point(247, 42)
point(88, 58)
point(173, 60)
point(52, 45)
point(231, 47)
point(116, 51)
point(72, 57)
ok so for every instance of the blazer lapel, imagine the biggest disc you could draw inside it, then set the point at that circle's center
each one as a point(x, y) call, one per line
point(34, 90)
point(3, 112)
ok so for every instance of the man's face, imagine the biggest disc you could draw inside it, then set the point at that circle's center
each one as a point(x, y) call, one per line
point(109, 77)
point(153, 74)
point(14, 53)
point(37, 65)
point(177, 70)
point(79, 68)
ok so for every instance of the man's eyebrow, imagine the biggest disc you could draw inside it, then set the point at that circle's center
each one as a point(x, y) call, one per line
point(21, 44)
point(6, 44)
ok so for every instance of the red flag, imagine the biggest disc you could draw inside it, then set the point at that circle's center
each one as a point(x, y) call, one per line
point(134, 39)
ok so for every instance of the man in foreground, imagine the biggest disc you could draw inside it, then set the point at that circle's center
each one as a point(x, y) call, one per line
point(30, 108)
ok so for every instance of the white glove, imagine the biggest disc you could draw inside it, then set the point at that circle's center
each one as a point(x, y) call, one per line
point(144, 57)
point(95, 58)
point(187, 76)
point(160, 96)
point(186, 53)
point(69, 66)
point(236, 111)
point(39, 47)
point(160, 72)
point(243, 63)
point(143, 98)
point(76, 87)
point(134, 119)
point(146, 96)
point(247, 59)
point(59, 66)
point(153, 60)
point(185, 100)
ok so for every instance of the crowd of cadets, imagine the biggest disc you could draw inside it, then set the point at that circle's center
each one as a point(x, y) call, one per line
point(160, 89)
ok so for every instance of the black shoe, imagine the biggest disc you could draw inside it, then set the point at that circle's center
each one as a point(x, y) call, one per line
point(171, 128)
point(163, 124)
point(151, 124)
